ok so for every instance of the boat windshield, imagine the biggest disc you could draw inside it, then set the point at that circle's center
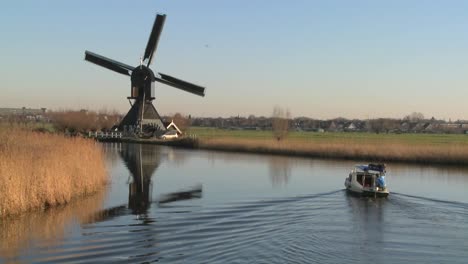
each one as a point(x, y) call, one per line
point(365, 179)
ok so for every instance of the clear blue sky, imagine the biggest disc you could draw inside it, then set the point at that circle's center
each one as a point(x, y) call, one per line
point(322, 59)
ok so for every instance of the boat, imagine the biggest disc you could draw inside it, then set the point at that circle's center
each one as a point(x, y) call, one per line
point(367, 180)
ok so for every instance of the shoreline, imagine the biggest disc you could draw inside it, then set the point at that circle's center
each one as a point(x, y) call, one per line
point(384, 152)
point(428, 155)
point(184, 142)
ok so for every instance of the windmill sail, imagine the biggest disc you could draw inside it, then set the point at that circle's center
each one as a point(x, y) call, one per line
point(180, 84)
point(154, 38)
point(108, 63)
point(142, 119)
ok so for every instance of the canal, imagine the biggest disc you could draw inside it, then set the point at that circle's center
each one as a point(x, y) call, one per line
point(172, 205)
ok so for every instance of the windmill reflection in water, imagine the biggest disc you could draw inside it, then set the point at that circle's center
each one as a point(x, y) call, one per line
point(142, 161)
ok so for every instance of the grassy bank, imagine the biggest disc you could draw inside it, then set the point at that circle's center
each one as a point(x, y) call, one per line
point(38, 170)
point(421, 148)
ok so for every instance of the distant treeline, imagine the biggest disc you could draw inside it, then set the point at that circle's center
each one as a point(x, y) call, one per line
point(82, 121)
point(67, 121)
point(79, 121)
point(413, 123)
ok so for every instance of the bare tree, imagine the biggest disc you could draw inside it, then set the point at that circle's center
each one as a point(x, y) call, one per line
point(414, 117)
point(382, 125)
point(375, 125)
point(280, 122)
point(390, 125)
point(84, 120)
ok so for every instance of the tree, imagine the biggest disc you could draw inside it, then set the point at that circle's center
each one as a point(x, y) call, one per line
point(280, 122)
point(375, 125)
point(381, 125)
point(390, 124)
point(414, 117)
point(83, 121)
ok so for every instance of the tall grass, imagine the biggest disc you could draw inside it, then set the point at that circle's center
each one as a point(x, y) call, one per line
point(39, 170)
point(381, 151)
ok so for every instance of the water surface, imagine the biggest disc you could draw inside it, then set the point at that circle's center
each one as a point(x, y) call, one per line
point(252, 209)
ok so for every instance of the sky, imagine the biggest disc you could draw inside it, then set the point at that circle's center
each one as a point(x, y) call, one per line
point(320, 59)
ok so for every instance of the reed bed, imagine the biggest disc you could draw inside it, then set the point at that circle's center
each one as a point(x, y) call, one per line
point(39, 170)
point(378, 151)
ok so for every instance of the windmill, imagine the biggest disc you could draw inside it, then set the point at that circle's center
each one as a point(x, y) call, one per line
point(142, 115)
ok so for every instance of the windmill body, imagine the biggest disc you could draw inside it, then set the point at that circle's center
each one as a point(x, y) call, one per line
point(143, 116)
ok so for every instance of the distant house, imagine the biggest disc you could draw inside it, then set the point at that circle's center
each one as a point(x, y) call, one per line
point(451, 128)
point(26, 113)
point(420, 127)
point(431, 128)
point(332, 127)
point(405, 127)
point(173, 126)
point(351, 127)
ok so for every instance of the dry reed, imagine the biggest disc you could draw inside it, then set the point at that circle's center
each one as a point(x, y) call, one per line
point(40, 170)
point(396, 151)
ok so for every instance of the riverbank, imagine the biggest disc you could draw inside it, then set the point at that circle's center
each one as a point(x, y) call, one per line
point(184, 142)
point(39, 170)
point(410, 148)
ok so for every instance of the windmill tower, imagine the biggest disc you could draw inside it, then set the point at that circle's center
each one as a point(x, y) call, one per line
point(143, 116)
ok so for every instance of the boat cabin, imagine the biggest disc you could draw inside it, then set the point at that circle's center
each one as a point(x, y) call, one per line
point(367, 179)
point(366, 174)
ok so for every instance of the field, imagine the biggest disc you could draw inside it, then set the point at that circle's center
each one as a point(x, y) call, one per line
point(39, 170)
point(421, 148)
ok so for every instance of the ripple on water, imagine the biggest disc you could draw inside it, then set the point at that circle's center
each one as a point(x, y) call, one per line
point(324, 228)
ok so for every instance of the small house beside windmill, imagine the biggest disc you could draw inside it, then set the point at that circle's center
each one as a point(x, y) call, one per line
point(172, 131)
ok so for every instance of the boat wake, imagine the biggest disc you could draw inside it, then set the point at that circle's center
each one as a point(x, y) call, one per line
point(329, 227)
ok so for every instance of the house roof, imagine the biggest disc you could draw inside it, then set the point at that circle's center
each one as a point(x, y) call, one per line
point(172, 124)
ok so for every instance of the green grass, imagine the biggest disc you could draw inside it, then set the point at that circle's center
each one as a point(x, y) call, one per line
point(415, 148)
point(330, 137)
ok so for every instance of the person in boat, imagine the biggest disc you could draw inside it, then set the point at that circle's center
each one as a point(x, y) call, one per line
point(381, 181)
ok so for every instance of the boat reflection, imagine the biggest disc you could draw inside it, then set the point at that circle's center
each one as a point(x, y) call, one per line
point(368, 224)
